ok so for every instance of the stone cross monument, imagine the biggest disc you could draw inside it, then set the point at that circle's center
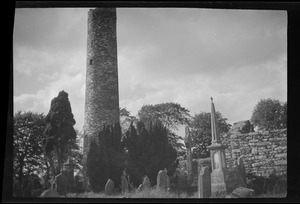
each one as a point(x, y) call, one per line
point(219, 174)
point(189, 158)
point(102, 88)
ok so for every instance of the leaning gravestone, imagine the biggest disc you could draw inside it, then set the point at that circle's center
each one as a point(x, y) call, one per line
point(242, 192)
point(61, 181)
point(163, 180)
point(109, 187)
point(50, 193)
point(204, 183)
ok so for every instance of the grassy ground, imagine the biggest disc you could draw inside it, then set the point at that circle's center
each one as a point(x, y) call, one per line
point(148, 193)
point(155, 193)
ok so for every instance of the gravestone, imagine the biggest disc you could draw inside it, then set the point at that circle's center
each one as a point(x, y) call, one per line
point(146, 183)
point(109, 187)
point(204, 183)
point(241, 168)
point(163, 181)
point(50, 193)
point(61, 181)
point(242, 192)
point(124, 184)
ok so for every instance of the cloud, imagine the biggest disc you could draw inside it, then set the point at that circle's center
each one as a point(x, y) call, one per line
point(164, 55)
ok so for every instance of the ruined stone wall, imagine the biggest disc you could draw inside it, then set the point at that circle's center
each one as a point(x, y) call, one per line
point(263, 152)
point(102, 92)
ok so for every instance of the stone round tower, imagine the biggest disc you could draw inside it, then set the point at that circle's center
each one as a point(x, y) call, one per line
point(102, 91)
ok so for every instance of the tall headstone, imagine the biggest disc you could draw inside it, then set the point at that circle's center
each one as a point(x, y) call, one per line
point(61, 181)
point(69, 172)
point(146, 183)
point(189, 158)
point(163, 181)
point(101, 92)
point(124, 182)
point(109, 187)
point(219, 174)
point(204, 183)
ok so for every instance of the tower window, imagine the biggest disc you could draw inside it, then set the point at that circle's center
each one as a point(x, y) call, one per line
point(91, 61)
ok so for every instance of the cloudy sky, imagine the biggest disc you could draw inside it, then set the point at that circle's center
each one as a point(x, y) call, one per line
point(182, 55)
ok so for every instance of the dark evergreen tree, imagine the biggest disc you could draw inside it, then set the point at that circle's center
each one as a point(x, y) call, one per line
point(59, 131)
point(149, 147)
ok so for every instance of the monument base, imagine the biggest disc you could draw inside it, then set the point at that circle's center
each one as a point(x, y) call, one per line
point(219, 183)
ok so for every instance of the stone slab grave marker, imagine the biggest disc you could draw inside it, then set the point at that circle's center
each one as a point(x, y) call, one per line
point(146, 183)
point(163, 181)
point(50, 193)
point(241, 167)
point(242, 192)
point(109, 187)
point(61, 181)
point(124, 182)
point(204, 183)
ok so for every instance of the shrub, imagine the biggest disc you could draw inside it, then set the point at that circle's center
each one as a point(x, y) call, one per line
point(271, 185)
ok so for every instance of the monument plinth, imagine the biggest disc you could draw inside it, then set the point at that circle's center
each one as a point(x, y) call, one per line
point(219, 174)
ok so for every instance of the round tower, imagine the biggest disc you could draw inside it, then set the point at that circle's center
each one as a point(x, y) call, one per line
point(102, 91)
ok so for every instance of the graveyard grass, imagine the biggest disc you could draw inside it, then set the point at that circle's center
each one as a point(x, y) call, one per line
point(156, 193)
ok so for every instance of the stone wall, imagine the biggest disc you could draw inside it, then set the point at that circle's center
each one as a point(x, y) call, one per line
point(263, 152)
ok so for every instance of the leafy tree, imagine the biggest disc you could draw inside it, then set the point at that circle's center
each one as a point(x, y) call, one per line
point(126, 119)
point(171, 115)
point(149, 147)
point(270, 114)
point(27, 144)
point(59, 131)
point(201, 132)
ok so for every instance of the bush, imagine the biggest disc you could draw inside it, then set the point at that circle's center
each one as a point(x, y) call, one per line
point(271, 185)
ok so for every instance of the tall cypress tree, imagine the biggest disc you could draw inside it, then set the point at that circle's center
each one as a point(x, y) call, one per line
point(59, 131)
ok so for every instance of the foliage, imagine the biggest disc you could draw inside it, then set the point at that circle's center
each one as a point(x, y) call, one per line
point(59, 131)
point(270, 114)
point(149, 147)
point(271, 185)
point(100, 161)
point(201, 132)
point(27, 144)
point(126, 119)
point(171, 115)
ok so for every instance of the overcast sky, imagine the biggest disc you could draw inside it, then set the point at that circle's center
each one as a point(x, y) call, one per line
point(182, 55)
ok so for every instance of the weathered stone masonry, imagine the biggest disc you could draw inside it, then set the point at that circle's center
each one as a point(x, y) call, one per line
point(102, 92)
point(263, 152)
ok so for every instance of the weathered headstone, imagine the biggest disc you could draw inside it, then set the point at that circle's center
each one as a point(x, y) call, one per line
point(204, 183)
point(109, 187)
point(140, 188)
point(241, 167)
point(61, 181)
point(162, 180)
point(68, 167)
point(124, 184)
point(146, 183)
point(242, 192)
point(50, 193)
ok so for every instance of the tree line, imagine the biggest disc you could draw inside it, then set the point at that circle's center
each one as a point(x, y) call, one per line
point(42, 143)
